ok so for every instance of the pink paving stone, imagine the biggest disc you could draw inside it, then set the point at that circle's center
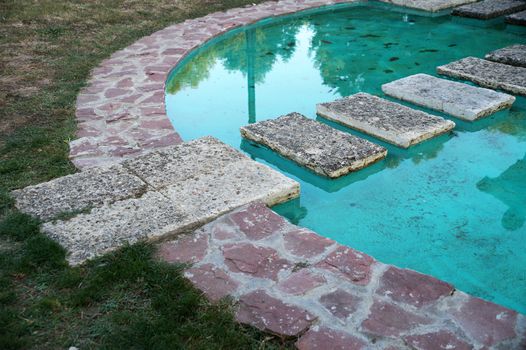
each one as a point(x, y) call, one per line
point(318, 338)
point(256, 261)
point(212, 281)
point(411, 287)
point(84, 147)
point(387, 320)
point(486, 322)
point(115, 92)
point(170, 139)
point(437, 341)
point(163, 123)
point(86, 130)
point(224, 232)
point(301, 282)
point(156, 97)
point(187, 249)
point(257, 221)
point(125, 83)
point(305, 243)
point(340, 303)
point(270, 314)
point(352, 264)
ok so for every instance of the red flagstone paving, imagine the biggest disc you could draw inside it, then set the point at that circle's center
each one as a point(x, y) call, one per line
point(291, 282)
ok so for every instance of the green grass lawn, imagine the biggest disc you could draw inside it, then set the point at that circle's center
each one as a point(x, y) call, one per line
point(123, 300)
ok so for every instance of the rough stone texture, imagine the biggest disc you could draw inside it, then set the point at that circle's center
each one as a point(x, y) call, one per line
point(334, 297)
point(189, 249)
point(325, 338)
point(165, 167)
point(317, 146)
point(518, 19)
point(386, 120)
point(488, 74)
point(105, 228)
point(489, 9)
point(78, 192)
point(457, 99)
point(270, 314)
point(437, 340)
point(514, 55)
point(429, 5)
point(412, 288)
point(191, 184)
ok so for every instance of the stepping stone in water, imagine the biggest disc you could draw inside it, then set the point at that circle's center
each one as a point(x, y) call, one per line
point(488, 9)
point(317, 146)
point(429, 5)
point(457, 99)
point(518, 19)
point(514, 55)
point(487, 74)
point(386, 120)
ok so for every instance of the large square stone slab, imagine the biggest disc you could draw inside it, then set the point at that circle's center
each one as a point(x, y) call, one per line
point(317, 146)
point(514, 55)
point(153, 216)
point(209, 195)
point(78, 192)
point(386, 120)
point(490, 9)
point(429, 5)
point(487, 74)
point(457, 99)
point(178, 163)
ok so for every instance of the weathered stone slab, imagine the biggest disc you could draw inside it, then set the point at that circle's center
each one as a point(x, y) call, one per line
point(326, 338)
point(457, 99)
point(487, 74)
point(150, 217)
point(489, 9)
point(429, 5)
point(178, 163)
point(386, 120)
point(514, 55)
point(231, 185)
point(78, 192)
point(197, 182)
point(518, 19)
point(317, 146)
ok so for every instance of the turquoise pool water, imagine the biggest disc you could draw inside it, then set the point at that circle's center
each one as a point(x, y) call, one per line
point(453, 207)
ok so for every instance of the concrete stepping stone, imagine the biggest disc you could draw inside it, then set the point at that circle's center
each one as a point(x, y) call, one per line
point(488, 9)
point(78, 192)
point(429, 5)
point(191, 184)
point(386, 120)
point(488, 74)
point(323, 295)
point(317, 146)
point(514, 55)
point(457, 99)
point(518, 19)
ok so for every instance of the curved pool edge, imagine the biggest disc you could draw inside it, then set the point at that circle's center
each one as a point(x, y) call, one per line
point(121, 112)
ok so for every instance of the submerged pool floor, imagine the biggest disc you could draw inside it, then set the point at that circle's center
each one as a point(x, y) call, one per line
point(453, 207)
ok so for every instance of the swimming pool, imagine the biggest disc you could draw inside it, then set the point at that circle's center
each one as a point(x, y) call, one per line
point(453, 207)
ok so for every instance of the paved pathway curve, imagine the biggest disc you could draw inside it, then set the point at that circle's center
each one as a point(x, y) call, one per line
point(292, 282)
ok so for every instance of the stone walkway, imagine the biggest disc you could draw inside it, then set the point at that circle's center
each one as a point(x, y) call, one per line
point(317, 146)
point(518, 19)
point(294, 283)
point(385, 120)
point(158, 195)
point(457, 99)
